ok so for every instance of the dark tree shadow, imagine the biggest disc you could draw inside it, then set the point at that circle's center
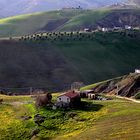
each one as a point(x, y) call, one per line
point(88, 106)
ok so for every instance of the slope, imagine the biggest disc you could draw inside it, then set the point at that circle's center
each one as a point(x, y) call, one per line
point(134, 2)
point(31, 23)
point(104, 18)
point(118, 119)
point(56, 64)
point(68, 20)
point(126, 86)
point(12, 7)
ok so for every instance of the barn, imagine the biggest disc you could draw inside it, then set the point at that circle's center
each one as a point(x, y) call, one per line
point(84, 94)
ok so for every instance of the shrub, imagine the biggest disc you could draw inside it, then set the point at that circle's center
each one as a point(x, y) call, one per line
point(43, 100)
point(137, 96)
point(1, 100)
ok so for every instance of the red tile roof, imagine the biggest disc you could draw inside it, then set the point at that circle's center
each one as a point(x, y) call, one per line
point(71, 94)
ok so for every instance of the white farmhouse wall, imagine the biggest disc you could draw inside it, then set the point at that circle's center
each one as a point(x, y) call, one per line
point(64, 99)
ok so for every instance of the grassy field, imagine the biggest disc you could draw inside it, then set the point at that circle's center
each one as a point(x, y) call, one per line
point(31, 23)
point(12, 127)
point(107, 55)
point(103, 120)
point(71, 20)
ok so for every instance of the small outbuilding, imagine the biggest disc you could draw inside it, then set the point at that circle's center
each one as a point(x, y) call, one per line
point(84, 94)
point(92, 96)
point(137, 71)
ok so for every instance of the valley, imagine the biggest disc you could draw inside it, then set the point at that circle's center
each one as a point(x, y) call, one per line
point(70, 70)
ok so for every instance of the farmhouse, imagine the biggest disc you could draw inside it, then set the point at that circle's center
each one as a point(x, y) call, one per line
point(70, 98)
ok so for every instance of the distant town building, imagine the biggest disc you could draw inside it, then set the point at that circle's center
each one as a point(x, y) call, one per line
point(117, 28)
point(72, 8)
point(127, 27)
point(105, 29)
point(137, 71)
point(136, 28)
point(87, 30)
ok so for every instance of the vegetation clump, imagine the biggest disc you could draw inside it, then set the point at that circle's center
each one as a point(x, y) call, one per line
point(43, 100)
point(137, 96)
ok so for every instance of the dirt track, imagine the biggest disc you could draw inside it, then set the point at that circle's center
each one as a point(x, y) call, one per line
point(130, 99)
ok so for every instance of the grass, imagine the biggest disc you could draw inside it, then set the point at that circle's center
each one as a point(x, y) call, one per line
point(76, 20)
point(107, 55)
point(12, 127)
point(17, 26)
point(57, 63)
point(89, 18)
point(88, 87)
point(137, 96)
point(120, 122)
point(118, 119)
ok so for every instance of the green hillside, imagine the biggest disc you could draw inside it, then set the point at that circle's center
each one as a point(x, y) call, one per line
point(115, 119)
point(27, 24)
point(56, 63)
point(68, 20)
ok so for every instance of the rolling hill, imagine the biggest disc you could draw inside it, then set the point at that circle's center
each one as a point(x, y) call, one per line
point(125, 86)
point(134, 2)
point(68, 20)
point(17, 120)
point(56, 64)
point(14, 7)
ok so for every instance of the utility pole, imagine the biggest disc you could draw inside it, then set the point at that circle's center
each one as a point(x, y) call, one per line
point(31, 90)
point(117, 89)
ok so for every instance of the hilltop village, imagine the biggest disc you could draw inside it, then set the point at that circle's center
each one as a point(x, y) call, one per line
point(84, 34)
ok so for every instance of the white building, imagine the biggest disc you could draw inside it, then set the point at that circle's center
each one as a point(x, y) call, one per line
point(68, 97)
point(87, 30)
point(104, 29)
point(137, 71)
point(127, 27)
point(63, 98)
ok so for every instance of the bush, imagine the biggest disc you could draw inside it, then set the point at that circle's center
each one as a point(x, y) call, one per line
point(1, 100)
point(137, 96)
